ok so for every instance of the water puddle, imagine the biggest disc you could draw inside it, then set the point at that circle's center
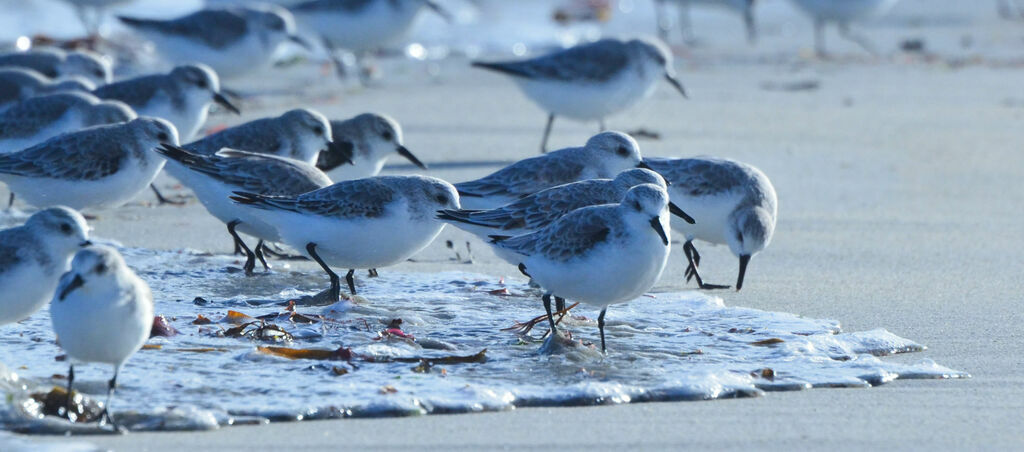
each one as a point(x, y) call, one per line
point(243, 355)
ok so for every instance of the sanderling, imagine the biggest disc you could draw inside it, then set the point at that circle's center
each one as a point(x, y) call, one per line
point(598, 255)
point(32, 258)
point(94, 8)
point(743, 7)
point(232, 41)
point(546, 206)
point(732, 202)
point(300, 134)
point(55, 63)
point(17, 84)
point(842, 13)
point(102, 313)
point(101, 166)
point(592, 81)
point(366, 141)
point(605, 155)
point(362, 223)
point(37, 119)
point(182, 96)
point(215, 177)
point(359, 25)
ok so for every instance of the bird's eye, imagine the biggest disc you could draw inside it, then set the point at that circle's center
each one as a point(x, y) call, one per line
point(65, 228)
point(99, 73)
point(622, 151)
point(442, 199)
point(318, 130)
point(162, 136)
point(387, 135)
point(100, 268)
point(201, 83)
point(636, 205)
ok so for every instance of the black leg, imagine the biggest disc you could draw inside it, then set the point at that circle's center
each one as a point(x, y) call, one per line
point(372, 273)
point(691, 272)
point(10, 200)
point(110, 395)
point(844, 31)
point(238, 248)
point(600, 327)
point(250, 257)
point(162, 200)
point(259, 255)
point(547, 133)
point(601, 126)
point(547, 307)
point(350, 278)
point(70, 400)
point(559, 304)
point(335, 291)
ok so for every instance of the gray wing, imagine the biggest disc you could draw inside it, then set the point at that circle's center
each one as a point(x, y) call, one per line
point(8, 256)
point(75, 156)
point(331, 5)
point(17, 245)
point(362, 198)
point(28, 116)
point(135, 92)
point(42, 62)
point(544, 207)
point(255, 136)
point(216, 28)
point(597, 61)
point(524, 178)
point(266, 175)
point(698, 176)
point(573, 235)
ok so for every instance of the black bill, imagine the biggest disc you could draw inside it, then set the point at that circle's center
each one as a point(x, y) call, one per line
point(656, 224)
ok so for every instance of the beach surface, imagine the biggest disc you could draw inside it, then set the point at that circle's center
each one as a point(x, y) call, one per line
point(899, 184)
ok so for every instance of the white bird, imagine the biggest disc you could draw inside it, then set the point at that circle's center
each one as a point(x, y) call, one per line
point(215, 177)
point(598, 255)
point(743, 7)
point(300, 134)
point(56, 63)
point(842, 13)
point(365, 141)
point(102, 313)
point(101, 166)
point(34, 256)
point(364, 223)
point(40, 118)
point(233, 41)
point(182, 96)
point(359, 26)
point(546, 206)
point(590, 82)
point(731, 202)
point(17, 84)
point(603, 156)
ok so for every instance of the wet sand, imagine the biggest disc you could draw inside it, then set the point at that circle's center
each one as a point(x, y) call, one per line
point(898, 181)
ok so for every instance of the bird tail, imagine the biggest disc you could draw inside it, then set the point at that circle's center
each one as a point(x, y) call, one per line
point(504, 68)
point(250, 199)
point(136, 22)
point(457, 215)
point(179, 154)
point(495, 239)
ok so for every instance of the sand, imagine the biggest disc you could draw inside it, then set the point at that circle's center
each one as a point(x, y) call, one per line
point(898, 182)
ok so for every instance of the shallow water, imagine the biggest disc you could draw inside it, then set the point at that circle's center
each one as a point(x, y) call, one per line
point(668, 346)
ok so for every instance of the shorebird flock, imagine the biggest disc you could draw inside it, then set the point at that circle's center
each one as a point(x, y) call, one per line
point(587, 224)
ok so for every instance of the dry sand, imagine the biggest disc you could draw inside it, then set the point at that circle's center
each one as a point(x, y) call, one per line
point(899, 188)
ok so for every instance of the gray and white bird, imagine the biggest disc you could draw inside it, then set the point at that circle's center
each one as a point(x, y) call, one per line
point(215, 177)
point(591, 82)
point(40, 118)
point(365, 141)
point(745, 8)
point(56, 63)
point(34, 256)
point(233, 41)
point(17, 84)
point(102, 313)
point(359, 26)
point(540, 209)
point(365, 223)
point(101, 166)
point(732, 202)
point(598, 255)
point(603, 156)
point(182, 96)
point(842, 13)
